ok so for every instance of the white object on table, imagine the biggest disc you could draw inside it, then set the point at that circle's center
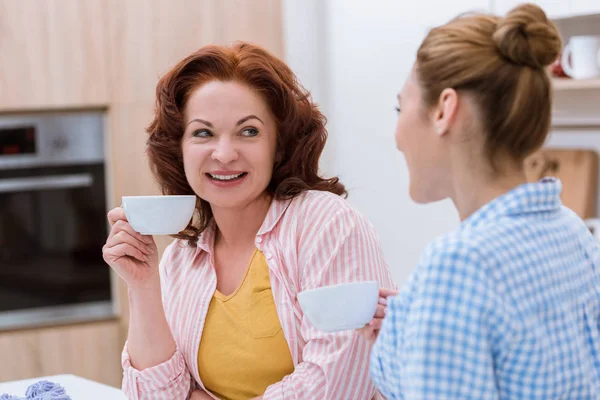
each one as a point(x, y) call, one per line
point(77, 388)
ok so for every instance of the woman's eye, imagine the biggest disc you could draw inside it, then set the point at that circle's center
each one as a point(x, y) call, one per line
point(397, 109)
point(202, 133)
point(250, 132)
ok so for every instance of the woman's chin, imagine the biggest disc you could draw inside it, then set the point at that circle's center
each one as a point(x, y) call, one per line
point(423, 195)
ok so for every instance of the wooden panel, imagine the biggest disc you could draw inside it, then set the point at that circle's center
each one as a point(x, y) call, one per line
point(578, 171)
point(87, 350)
point(19, 352)
point(148, 37)
point(127, 164)
point(53, 54)
point(257, 21)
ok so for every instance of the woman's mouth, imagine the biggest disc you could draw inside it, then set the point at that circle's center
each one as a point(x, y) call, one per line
point(226, 177)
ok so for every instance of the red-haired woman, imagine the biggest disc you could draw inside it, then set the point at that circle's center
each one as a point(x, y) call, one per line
point(219, 312)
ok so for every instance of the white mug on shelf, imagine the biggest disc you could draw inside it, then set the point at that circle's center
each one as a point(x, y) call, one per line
point(581, 57)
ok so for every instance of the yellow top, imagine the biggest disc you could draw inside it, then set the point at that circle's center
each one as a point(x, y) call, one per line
point(243, 350)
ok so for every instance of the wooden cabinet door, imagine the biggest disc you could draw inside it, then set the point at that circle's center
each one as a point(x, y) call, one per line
point(90, 350)
point(53, 54)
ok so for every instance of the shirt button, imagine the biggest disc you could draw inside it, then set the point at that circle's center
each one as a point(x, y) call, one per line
point(259, 240)
point(269, 256)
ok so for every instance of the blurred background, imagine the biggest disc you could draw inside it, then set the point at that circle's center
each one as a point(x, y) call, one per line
point(77, 80)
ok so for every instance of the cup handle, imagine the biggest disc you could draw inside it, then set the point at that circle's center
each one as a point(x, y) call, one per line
point(564, 61)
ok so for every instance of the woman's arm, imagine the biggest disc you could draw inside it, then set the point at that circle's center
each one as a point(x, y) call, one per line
point(149, 338)
point(335, 366)
point(153, 368)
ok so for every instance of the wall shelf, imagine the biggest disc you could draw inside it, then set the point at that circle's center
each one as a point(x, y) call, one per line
point(561, 84)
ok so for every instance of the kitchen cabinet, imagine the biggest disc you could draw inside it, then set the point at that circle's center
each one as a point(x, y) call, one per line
point(64, 54)
point(553, 8)
point(88, 350)
point(53, 54)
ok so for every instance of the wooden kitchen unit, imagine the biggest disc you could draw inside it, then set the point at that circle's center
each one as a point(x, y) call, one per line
point(106, 54)
point(54, 54)
point(88, 350)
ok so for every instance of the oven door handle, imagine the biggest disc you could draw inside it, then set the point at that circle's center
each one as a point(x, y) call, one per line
point(48, 182)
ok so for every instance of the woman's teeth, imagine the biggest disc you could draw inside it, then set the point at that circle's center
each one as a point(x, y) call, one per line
point(226, 177)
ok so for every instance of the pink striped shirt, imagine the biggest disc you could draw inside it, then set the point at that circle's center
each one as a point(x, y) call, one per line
point(314, 240)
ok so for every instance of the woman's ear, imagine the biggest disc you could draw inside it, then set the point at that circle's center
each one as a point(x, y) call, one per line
point(445, 111)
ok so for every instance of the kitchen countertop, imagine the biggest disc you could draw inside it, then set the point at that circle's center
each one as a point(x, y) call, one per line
point(77, 388)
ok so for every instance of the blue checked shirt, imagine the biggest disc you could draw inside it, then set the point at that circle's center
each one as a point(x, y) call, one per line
point(505, 307)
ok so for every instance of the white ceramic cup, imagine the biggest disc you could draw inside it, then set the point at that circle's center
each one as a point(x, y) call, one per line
point(581, 57)
point(340, 307)
point(159, 215)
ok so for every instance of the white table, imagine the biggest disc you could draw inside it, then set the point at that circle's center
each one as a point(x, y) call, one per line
point(77, 388)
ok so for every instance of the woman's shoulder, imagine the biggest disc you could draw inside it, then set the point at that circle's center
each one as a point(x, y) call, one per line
point(316, 213)
point(312, 202)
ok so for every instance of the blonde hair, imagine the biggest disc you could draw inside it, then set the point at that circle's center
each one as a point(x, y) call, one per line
point(501, 63)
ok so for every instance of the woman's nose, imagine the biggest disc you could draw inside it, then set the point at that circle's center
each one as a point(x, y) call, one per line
point(225, 152)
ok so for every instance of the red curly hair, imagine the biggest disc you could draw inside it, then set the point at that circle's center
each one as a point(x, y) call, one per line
point(301, 133)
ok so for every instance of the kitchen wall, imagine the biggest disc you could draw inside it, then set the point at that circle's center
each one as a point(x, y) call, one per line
point(366, 50)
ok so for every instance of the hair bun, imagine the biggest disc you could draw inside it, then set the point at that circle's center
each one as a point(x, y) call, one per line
point(527, 37)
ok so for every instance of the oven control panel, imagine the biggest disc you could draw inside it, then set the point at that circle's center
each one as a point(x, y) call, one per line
point(65, 138)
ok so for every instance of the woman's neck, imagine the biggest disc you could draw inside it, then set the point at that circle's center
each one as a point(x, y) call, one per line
point(476, 187)
point(237, 227)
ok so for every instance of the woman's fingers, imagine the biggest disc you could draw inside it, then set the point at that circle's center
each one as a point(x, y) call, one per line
point(379, 311)
point(122, 225)
point(122, 250)
point(126, 237)
point(385, 293)
point(116, 214)
point(375, 324)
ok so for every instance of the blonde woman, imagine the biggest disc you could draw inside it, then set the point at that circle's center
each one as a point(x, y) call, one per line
point(508, 305)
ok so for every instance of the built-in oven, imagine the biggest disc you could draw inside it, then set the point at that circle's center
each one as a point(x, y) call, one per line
point(52, 219)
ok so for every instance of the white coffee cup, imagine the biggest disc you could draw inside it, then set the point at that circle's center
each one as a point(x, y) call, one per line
point(341, 307)
point(159, 215)
point(581, 57)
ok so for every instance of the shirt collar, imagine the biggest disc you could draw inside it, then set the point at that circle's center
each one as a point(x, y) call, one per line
point(541, 196)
